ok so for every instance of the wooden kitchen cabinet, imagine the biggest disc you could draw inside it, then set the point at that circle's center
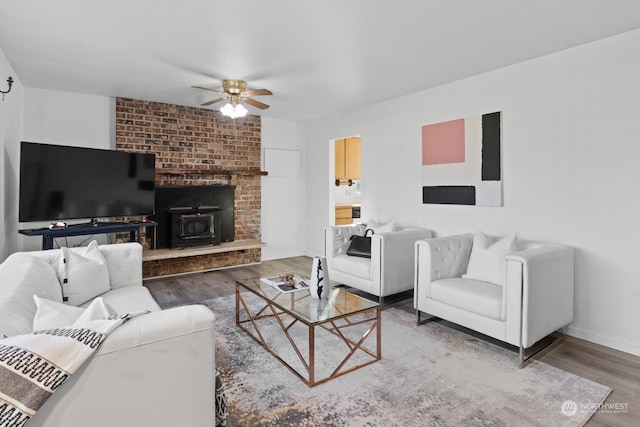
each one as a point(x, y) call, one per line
point(348, 158)
point(343, 215)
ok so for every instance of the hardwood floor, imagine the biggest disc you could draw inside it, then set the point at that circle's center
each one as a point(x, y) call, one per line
point(618, 370)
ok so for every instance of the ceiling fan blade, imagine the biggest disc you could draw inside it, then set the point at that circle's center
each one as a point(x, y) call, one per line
point(207, 88)
point(257, 92)
point(255, 103)
point(213, 101)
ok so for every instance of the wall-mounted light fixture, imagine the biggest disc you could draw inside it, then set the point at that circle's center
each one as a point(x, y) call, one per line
point(10, 81)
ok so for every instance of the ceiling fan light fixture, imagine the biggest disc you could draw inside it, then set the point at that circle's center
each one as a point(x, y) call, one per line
point(233, 111)
point(235, 92)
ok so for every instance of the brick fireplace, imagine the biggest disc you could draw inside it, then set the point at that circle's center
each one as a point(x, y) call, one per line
point(198, 147)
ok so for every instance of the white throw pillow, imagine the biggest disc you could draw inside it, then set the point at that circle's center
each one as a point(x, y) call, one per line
point(378, 227)
point(53, 314)
point(83, 273)
point(98, 309)
point(486, 261)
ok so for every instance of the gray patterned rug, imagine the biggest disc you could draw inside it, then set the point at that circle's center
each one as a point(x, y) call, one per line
point(429, 375)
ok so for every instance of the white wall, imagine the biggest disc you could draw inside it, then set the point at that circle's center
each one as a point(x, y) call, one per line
point(10, 136)
point(283, 205)
point(64, 118)
point(570, 160)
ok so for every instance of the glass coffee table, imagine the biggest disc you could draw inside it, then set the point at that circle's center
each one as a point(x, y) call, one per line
point(318, 340)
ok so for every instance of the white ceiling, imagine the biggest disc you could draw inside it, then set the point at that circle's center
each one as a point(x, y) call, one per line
point(318, 57)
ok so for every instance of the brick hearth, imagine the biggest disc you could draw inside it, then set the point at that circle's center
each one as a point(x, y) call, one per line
point(194, 146)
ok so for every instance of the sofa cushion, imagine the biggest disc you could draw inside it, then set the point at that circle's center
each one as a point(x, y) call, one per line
point(53, 314)
point(125, 264)
point(129, 299)
point(475, 296)
point(355, 266)
point(84, 274)
point(24, 276)
point(486, 261)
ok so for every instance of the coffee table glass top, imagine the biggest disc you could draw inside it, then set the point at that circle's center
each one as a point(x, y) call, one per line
point(307, 309)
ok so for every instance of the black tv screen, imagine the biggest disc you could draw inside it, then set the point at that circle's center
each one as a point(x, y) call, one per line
point(59, 182)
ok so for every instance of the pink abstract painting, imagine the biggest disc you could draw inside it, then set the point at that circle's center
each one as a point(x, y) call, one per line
point(443, 143)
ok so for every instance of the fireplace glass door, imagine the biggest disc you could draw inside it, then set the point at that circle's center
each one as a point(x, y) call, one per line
point(195, 228)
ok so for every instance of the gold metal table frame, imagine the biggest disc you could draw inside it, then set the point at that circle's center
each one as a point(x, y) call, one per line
point(343, 310)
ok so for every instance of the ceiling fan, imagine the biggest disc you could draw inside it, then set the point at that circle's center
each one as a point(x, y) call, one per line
point(236, 91)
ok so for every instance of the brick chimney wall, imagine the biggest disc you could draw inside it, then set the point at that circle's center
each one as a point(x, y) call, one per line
point(195, 146)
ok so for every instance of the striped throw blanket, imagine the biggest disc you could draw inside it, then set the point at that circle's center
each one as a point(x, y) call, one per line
point(33, 366)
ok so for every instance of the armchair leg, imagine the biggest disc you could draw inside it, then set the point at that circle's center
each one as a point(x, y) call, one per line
point(523, 358)
point(419, 320)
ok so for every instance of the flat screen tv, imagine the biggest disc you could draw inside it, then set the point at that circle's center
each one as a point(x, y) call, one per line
point(59, 182)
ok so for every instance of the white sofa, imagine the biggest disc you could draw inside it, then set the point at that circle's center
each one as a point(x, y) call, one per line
point(389, 270)
point(157, 369)
point(534, 300)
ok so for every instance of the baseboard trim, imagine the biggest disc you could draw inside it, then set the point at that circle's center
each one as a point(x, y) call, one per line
point(604, 340)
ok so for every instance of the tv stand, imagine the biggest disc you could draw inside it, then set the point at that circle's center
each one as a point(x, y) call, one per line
point(95, 222)
point(93, 227)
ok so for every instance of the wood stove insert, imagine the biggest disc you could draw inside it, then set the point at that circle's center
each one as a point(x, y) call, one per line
point(195, 226)
point(194, 200)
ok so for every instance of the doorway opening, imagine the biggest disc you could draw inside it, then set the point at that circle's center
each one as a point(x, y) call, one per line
point(346, 191)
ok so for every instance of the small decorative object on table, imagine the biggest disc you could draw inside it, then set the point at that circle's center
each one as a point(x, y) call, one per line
point(320, 286)
point(286, 283)
point(288, 280)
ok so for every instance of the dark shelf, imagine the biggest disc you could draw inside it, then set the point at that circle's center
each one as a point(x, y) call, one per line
point(48, 234)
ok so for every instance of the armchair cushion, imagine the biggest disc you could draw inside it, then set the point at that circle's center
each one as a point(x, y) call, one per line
point(357, 266)
point(486, 262)
point(340, 238)
point(379, 227)
point(474, 296)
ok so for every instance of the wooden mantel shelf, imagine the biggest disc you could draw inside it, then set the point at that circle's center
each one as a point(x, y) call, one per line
point(211, 171)
point(237, 245)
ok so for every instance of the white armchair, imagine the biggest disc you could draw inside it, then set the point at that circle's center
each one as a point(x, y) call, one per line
point(389, 270)
point(534, 300)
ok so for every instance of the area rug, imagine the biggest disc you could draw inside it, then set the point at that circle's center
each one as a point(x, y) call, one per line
point(429, 375)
